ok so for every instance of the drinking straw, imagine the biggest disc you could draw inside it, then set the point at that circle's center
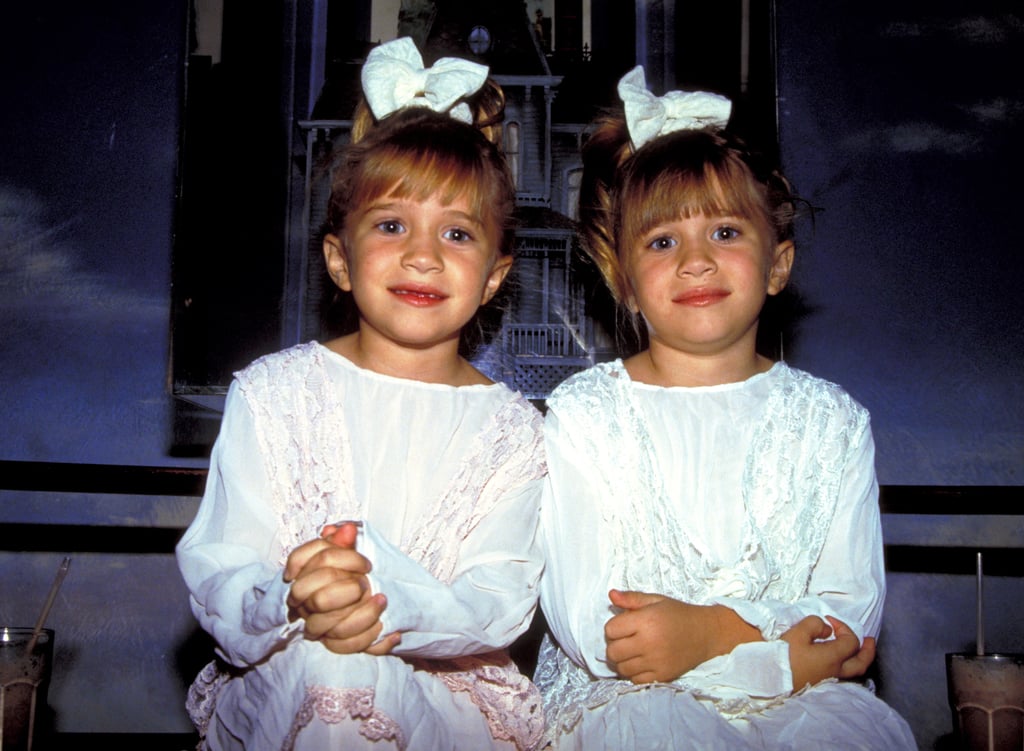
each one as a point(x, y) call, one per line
point(62, 571)
point(980, 648)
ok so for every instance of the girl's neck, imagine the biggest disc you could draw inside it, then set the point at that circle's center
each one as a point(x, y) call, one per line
point(439, 364)
point(663, 366)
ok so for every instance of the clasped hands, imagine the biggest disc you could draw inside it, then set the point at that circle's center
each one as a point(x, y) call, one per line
point(657, 638)
point(330, 592)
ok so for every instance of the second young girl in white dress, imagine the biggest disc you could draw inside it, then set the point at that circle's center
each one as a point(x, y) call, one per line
point(714, 552)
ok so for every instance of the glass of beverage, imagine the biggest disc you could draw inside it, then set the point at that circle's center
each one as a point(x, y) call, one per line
point(24, 680)
point(986, 693)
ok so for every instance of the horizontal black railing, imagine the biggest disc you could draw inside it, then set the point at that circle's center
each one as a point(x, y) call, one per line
point(952, 500)
point(189, 481)
point(58, 477)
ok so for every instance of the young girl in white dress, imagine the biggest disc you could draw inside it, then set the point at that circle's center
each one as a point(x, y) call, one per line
point(711, 527)
point(366, 547)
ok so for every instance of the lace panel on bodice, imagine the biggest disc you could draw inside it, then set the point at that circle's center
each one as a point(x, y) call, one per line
point(300, 426)
point(304, 442)
point(790, 485)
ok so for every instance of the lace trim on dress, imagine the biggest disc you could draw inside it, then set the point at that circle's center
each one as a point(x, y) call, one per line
point(303, 440)
point(300, 428)
point(648, 546)
point(505, 454)
point(790, 484)
point(793, 475)
point(569, 690)
point(509, 701)
point(333, 705)
point(202, 695)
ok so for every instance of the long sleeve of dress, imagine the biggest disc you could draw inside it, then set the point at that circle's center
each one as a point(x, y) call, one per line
point(576, 581)
point(237, 595)
point(489, 602)
point(848, 581)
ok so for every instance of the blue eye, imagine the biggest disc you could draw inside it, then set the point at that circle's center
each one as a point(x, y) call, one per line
point(726, 233)
point(390, 226)
point(662, 242)
point(458, 235)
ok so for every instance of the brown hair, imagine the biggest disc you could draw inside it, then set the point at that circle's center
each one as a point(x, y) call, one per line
point(625, 192)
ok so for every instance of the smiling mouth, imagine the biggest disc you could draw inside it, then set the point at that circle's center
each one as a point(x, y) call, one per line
point(700, 297)
point(417, 296)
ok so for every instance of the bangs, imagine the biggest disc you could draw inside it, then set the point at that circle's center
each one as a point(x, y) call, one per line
point(418, 155)
point(420, 175)
point(668, 192)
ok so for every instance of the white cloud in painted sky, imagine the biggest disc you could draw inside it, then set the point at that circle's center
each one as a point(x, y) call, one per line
point(922, 136)
point(981, 30)
point(915, 138)
point(41, 275)
point(971, 122)
point(919, 137)
point(998, 110)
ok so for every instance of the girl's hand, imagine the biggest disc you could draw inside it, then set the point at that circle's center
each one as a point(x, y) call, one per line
point(346, 637)
point(329, 585)
point(812, 660)
point(325, 578)
point(331, 593)
point(657, 638)
point(342, 535)
point(364, 642)
point(354, 629)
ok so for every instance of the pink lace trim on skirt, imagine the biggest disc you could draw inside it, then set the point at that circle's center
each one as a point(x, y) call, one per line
point(333, 705)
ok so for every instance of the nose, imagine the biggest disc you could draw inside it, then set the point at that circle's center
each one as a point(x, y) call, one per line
point(695, 259)
point(423, 254)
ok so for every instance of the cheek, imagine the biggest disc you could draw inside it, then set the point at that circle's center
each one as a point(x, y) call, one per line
point(647, 276)
point(628, 271)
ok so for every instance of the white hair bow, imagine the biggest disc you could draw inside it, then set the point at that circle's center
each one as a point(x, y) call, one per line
point(394, 78)
point(648, 116)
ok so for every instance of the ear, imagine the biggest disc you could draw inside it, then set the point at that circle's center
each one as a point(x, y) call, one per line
point(494, 280)
point(337, 264)
point(782, 264)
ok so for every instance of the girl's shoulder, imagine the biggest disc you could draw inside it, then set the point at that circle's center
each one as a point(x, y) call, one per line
point(797, 385)
point(596, 376)
point(291, 363)
point(504, 399)
point(590, 391)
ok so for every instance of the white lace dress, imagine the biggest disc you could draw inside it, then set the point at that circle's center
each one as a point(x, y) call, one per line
point(446, 482)
point(758, 495)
